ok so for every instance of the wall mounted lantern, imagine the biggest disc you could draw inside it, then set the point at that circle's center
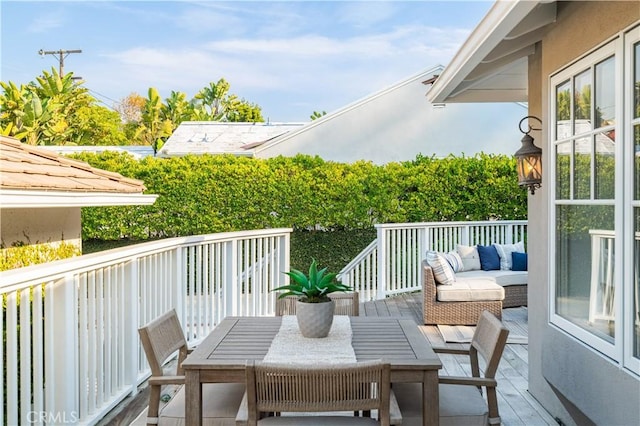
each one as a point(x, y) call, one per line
point(529, 159)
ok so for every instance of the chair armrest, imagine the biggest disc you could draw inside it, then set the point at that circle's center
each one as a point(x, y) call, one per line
point(472, 381)
point(166, 380)
point(242, 418)
point(446, 350)
point(394, 410)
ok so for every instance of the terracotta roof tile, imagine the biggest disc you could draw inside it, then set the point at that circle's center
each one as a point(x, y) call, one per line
point(27, 167)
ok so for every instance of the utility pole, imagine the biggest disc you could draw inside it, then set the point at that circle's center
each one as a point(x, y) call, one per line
point(59, 55)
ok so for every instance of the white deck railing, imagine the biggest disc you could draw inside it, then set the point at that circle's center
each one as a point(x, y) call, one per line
point(71, 351)
point(391, 264)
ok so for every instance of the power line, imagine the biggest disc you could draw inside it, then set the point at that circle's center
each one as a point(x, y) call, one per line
point(59, 55)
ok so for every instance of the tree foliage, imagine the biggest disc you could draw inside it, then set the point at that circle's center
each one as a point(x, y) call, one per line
point(55, 110)
point(317, 114)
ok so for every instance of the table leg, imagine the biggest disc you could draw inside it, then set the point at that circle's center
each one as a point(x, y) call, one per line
point(430, 402)
point(193, 398)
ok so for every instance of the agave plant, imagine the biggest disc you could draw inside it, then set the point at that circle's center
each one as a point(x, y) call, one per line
point(314, 287)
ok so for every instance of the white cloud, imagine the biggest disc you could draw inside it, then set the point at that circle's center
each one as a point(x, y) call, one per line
point(44, 24)
point(364, 14)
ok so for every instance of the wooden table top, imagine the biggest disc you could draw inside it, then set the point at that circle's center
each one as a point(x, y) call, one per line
point(237, 340)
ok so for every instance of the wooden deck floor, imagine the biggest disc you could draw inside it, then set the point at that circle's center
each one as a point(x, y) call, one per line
point(517, 406)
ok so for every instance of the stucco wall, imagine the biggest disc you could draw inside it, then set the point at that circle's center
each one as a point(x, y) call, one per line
point(42, 225)
point(400, 123)
point(571, 380)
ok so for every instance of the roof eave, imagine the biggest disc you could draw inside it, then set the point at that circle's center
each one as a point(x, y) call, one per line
point(502, 18)
point(43, 199)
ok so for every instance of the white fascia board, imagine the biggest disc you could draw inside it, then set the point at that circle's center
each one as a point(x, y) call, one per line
point(501, 19)
point(43, 199)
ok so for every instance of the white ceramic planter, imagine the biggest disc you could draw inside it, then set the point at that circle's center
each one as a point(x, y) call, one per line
point(315, 319)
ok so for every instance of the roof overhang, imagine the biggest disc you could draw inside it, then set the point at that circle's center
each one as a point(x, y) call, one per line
point(42, 199)
point(492, 65)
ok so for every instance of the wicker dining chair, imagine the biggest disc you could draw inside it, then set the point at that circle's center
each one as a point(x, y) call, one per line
point(347, 303)
point(161, 338)
point(292, 389)
point(461, 399)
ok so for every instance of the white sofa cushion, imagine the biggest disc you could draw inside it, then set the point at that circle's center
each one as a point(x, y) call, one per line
point(504, 278)
point(470, 291)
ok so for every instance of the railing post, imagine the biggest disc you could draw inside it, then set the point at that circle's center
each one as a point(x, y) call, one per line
point(381, 290)
point(465, 237)
point(509, 237)
point(179, 288)
point(132, 320)
point(231, 290)
point(61, 343)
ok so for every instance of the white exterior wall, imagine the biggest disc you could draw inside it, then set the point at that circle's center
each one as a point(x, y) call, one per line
point(398, 123)
point(40, 225)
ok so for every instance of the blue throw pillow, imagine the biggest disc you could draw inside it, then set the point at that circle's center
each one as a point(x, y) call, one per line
point(489, 259)
point(518, 261)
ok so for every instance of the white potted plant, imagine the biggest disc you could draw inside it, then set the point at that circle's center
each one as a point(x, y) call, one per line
point(314, 307)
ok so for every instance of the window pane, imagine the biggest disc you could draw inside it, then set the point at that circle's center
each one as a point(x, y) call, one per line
point(605, 95)
point(563, 108)
point(563, 171)
point(636, 160)
point(636, 287)
point(582, 169)
point(585, 268)
point(605, 166)
point(582, 102)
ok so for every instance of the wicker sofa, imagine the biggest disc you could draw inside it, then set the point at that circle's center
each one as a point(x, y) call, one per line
point(509, 289)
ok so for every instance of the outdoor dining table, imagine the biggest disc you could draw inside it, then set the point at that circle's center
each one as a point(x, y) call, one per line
point(222, 356)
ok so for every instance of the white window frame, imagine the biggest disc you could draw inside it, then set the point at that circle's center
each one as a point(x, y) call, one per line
point(631, 38)
point(621, 350)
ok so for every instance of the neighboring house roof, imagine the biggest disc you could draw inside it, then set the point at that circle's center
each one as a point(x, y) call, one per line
point(491, 65)
point(327, 118)
point(35, 177)
point(214, 137)
point(138, 152)
point(396, 123)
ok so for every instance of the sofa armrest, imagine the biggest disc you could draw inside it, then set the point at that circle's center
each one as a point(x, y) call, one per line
point(428, 282)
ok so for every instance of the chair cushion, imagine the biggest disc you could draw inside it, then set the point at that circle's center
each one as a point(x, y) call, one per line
point(470, 257)
point(459, 405)
point(504, 252)
point(503, 278)
point(470, 291)
point(220, 403)
point(442, 271)
point(489, 259)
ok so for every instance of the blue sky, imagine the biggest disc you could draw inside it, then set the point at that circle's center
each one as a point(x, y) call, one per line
point(291, 58)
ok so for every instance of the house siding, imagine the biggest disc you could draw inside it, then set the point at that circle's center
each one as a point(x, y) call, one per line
point(574, 382)
point(40, 226)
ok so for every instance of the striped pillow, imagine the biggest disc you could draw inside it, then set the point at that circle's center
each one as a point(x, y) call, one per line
point(441, 269)
point(454, 260)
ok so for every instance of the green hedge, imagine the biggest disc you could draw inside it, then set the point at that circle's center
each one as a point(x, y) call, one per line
point(208, 194)
point(21, 254)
